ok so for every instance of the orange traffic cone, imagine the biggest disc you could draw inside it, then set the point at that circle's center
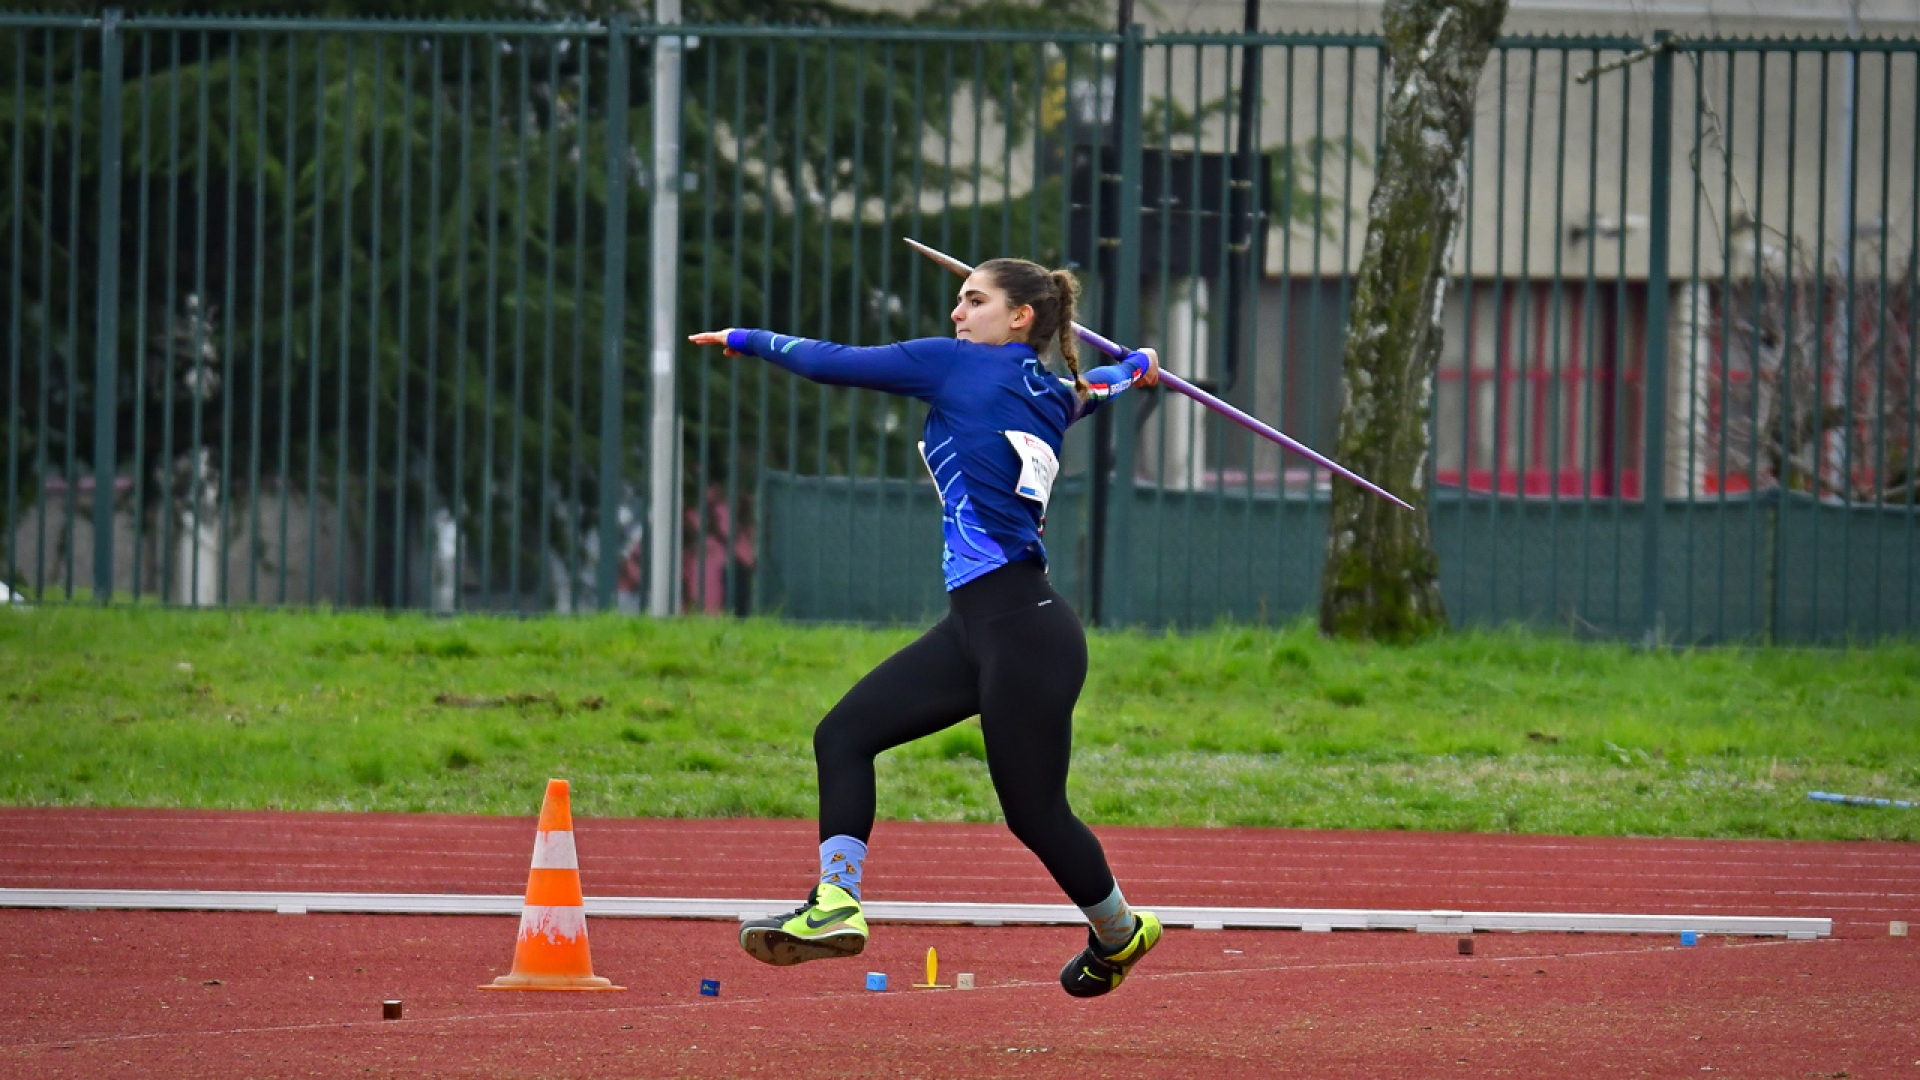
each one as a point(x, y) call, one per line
point(552, 951)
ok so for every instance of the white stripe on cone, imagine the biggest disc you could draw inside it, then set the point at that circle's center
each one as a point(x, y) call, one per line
point(559, 925)
point(554, 851)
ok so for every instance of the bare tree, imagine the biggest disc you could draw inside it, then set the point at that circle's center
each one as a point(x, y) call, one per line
point(1811, 384)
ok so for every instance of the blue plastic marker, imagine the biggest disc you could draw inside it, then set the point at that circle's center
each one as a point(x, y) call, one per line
point(709, 987)
point(1858, 800)
point(1688, 937)
point(876, 980)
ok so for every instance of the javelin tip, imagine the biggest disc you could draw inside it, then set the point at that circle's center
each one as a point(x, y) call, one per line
point(939, 256)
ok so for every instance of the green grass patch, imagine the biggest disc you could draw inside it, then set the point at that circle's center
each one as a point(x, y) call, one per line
point(1505, 731)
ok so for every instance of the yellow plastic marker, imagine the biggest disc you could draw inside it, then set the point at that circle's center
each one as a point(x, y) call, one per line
point(933, 974)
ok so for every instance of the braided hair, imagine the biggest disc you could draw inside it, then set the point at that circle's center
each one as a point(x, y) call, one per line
point(1051, 294)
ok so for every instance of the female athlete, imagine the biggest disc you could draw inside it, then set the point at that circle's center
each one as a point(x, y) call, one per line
point(1009, 649)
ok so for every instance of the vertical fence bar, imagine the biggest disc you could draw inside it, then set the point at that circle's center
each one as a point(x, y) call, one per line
point(543, 533)
point(18, 222)
point(1753, 367)
point(1848, 238)
point(1653, 468)
point(1617, 383)
point(288, 185)
point(1126, 327)
point(1879, 467)
point(883, 440)
point(1502, 338)
point(72, 430)
point(106, 373)
point(1783, 503)
point(168, 378)
point(39, 478)
point(1162, 223)
point(576, 455)
point(457, 506)
point(398, 594)
point(914, 228)
point(198, 323)
point(731, 587)
point(374, 188)
point(852, 395)
point(1589, 330)
point(515, 495)
point(341, 411)
point(1556, 433)
point(1821, 287)
point(613, 319)
point(1287, 286)
point(259, 304)
point(430, 508)
point(138, 455)
point(489, 350)
point(822, 394)
point(1726, 137)
point(230, 294)
point(796, 180)
point(703, 458)
point(1318, 152)
point(763, 451)
point(313, 319)
point(1913, 357)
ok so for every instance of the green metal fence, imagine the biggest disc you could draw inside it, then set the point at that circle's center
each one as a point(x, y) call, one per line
point(348, 307)
point(384, 313)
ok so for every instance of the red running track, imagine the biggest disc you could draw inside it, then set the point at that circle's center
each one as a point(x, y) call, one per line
point(174, 993)
point(1861, 886)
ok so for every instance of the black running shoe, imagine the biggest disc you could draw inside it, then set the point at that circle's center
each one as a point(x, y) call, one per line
point(1097, 971)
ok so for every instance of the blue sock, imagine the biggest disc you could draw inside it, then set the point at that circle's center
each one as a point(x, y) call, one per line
point(1112, 920)
point(841, 858)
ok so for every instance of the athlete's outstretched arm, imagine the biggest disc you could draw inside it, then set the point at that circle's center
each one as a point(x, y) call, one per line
point(1141, 367)
point(913, 368)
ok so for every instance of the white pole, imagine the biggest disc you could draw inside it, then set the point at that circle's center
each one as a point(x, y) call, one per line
point(663, 518)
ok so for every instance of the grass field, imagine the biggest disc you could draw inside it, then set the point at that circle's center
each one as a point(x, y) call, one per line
point(1237, 726)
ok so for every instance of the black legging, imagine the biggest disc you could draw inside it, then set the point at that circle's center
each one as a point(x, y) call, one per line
point(1012, 651)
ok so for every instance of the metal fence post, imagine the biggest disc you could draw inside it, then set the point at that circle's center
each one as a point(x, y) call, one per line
point(1116, 586)
point(106, 372)
point(1653, 469)
point(613, 318)
point(663, 516)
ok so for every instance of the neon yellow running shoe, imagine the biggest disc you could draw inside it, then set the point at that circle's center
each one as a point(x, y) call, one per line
point(1098, 971)
point(829, 924)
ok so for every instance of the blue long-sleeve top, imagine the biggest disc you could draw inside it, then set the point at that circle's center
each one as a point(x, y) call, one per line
point(995, 422)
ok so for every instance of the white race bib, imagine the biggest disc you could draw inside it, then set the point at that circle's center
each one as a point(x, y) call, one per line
point(1038, 466)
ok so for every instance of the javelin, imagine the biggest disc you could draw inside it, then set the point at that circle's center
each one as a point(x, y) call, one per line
point(1175, 382)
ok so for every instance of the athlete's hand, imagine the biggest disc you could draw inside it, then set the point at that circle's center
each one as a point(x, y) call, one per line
point(715, 337)
point(1151, 376)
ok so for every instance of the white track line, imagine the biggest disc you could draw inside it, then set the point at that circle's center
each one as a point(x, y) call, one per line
point(1202, 918)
